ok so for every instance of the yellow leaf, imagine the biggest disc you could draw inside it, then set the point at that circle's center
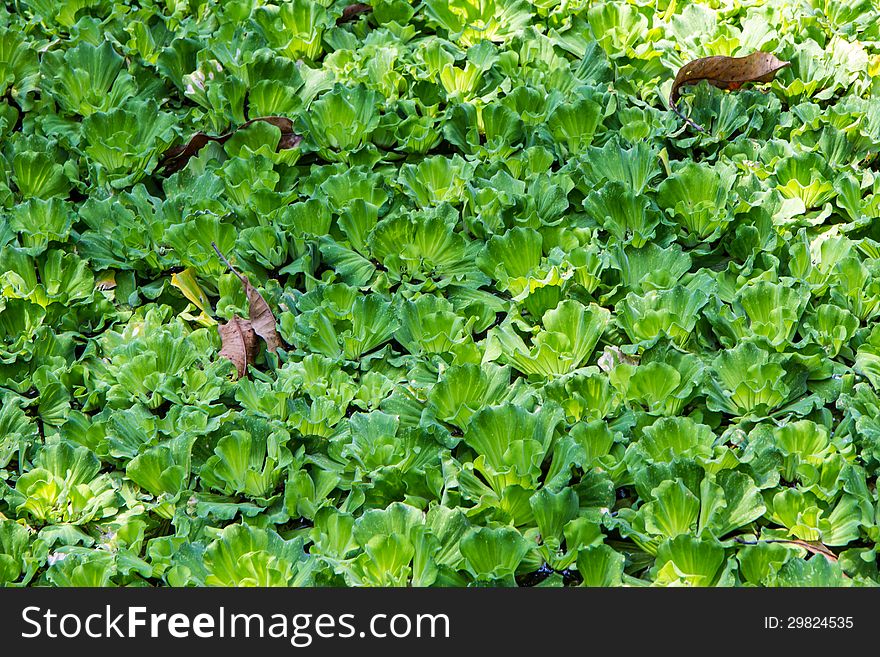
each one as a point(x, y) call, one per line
point(185, 281)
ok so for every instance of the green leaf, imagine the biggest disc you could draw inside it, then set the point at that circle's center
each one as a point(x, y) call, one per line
point(672, 511)
point(493, 554)
point(688, 561)
point(247, 556)
point(600, 565)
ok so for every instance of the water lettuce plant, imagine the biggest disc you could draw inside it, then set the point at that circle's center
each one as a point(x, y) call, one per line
point(295, 293)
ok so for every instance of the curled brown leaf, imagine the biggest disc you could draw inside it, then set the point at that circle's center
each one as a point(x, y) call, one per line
point(351, 12)
point(261, 316)
point(262, 319)
point(725, 73)
point(239, 343)
point(176, 158)
point(811, 547)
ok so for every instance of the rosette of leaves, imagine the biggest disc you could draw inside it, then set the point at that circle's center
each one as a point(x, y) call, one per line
point(65, 486)
point(340, 323)
point(616, 26)
point(124, 143)
point(339, 123)
point(430, 325)
point(695, 197)
point(424, 247)
point(250, 182)
point(387, 462)
point(867, 361)
point(584, 396)
point(806, 455)
point(192, 240)
point(749, 382)
point(87, 78)
point(470, 22)
point(586, 265)
point(562, 342)
point(317, 376)
point(152, 363)
point(689, 561)
point(511, 257)
point(862, 408)
point(854, 287)
point(652, 267)
point(493, 554)
point(242, 555)
point(573, 126)
point(490, 131)
point(627, 217)
point(672, 313)
point(248, 463)
point(54, 277)
point(464, 389)
point(163, 471)
point(510, 468)
point(634, 167)
point(722, 503)
point(668, 439)
point(806, 179)
point(815, 261)
point(807, 518)
point(40, 222)
point(359, 198)
point(20, 322)
point(38, 168)
point(515, 261)
point(275, 84)
point(124, 232)
point(659, 385)
point(19, 67)
point(18, 430)
point(774, 309)
point(501, 200)
point(436, 179)
point(78, 566)
point(294, 28)
point(18, 563)
point(562, 528)
point(399, 545)
point(831, 327)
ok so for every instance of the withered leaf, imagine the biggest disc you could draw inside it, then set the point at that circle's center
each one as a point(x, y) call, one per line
point(725, 73)
point(174, 159)
point(809, 546)
point(351, 12)
point(239, 343)
point(262, 319)
point(261, 315)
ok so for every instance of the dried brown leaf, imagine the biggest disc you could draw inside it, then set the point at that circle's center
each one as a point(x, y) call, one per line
point(351, 12)
point(261, 315)
point(725, 73)
point(809, 546)
point(813, 548)
point(239, 343)
point(262, 319)
point(174, 159)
